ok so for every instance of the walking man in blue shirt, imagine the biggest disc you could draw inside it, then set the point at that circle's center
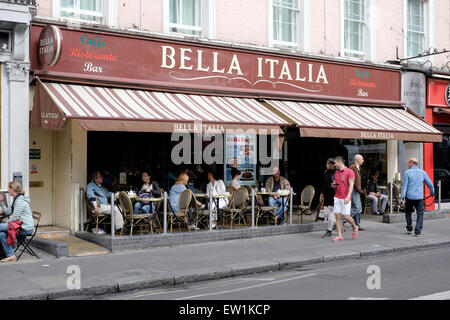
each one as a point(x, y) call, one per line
point(412, 191)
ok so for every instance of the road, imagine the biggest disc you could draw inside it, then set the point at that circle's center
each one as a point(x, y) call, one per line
point(417, 274)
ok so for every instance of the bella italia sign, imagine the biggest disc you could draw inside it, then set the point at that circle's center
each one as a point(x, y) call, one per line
point(198, 67)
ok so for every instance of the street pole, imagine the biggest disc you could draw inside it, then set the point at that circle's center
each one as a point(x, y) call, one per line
point(390, 198)
point(210, 210)
point(82, 206)
point(291, 196)
point(253, 207)
point(439, 203)
point(113, 229)
point(165, 213)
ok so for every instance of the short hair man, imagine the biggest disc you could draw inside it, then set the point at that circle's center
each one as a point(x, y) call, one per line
point(273, 184)
point(373, 193)
point(412, 191)
point(100, 198)
point(356, 209)
point(344, 179)
point(327, 196)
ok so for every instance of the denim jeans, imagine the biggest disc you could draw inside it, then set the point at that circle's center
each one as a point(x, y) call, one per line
point(355, 212)
point(139, 206)
point(279, 201)
point(9, 250)
point(409, 208)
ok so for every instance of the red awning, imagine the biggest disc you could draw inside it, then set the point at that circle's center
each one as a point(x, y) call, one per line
point(117, 109)
point(357, 122)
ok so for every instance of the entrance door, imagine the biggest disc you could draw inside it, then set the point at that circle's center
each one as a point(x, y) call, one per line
point(41, 174)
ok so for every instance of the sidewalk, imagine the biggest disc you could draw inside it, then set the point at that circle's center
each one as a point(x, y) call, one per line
point(124, 271)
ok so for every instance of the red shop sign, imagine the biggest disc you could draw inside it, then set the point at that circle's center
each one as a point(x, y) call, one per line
point(438, 93)
point(175, 64)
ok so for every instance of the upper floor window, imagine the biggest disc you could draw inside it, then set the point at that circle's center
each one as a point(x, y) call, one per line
point(354, 27)
point(415, 27)
point(185, 16)
point(94, 11)
point(82, 10)
point(285, 23)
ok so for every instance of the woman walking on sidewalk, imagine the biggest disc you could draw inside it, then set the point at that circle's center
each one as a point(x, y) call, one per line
point(344, 179)
point(20, 211)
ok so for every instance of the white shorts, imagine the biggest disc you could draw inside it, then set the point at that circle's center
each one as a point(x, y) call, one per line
point(341, 207)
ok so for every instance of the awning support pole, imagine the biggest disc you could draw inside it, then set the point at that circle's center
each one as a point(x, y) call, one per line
point(113, 228)
point(439, 196)
point(291, 197)
point(390, 197)
point(253, 207)
point(82, 208)
point(165, 213)
point(210, 210)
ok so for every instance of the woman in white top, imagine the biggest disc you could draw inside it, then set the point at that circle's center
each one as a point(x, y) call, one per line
point(216, 186)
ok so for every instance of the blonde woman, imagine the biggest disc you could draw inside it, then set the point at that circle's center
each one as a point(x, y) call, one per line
point(175, 193)
point(20, 211)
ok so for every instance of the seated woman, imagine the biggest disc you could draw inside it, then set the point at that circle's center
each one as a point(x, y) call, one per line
point(216, 186)
point(150, 189)
point(235, 175)
point(174, 195)
point(20, 211)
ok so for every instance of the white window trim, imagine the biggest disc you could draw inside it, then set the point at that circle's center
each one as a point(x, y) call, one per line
point(369, 38)
point(208, 20)
point(429, 7)
point(109, 13)
point(303, 28)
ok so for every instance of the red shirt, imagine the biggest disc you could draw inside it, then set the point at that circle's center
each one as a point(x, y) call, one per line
point(342, 178)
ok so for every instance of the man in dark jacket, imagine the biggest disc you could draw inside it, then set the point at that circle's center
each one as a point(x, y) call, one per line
point(327, 196)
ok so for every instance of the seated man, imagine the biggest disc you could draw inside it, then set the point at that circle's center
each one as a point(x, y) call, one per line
point(273, 184)
point(373, 193)
point(96, 191)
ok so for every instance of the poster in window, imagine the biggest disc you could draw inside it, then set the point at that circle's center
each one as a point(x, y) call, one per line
point(240, 153)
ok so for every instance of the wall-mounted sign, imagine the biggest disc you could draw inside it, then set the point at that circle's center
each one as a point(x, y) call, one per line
point(49, 45)
point(447, 94)
point(151, 62)
point(35, 154)
point(34, 168)
point(438, 93)
point(414, 91)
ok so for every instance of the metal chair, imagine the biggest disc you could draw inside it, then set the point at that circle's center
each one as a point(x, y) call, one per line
point(238, 206)
point(181, 217)
point(306, 198)
point(130, 219)
point(22, 241)
point(95, 217)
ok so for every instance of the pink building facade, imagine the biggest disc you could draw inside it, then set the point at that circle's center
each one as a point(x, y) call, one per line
point(368, 30)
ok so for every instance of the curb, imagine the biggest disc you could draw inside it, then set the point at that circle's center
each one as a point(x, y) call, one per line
point(227, 271)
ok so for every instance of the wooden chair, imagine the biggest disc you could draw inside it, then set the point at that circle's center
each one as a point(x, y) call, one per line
point(22, 241)
point(95, 217)
point(237, 206)
point(268, 212)
point(181, 217)
point(130, 219)
point(306, 198)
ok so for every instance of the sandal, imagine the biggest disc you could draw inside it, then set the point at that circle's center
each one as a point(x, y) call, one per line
point(337, 239)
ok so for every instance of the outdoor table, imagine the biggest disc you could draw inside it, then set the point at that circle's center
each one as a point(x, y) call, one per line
point(201, 195)
point(149, 200)
point(217, 197)
point(271, 194)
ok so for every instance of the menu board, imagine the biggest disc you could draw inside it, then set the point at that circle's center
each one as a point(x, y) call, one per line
point(240, 153)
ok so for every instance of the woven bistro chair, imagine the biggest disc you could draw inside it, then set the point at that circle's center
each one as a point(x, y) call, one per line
point(130, 219)
point(396, 194)
point(181, 217)
point(268, 212)
point(95, 217)
point(306, 198)
point(237, 206)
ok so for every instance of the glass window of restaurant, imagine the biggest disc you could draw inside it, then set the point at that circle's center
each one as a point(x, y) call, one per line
point(442, 162)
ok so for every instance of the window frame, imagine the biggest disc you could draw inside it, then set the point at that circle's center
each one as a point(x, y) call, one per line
point(108, 13)
point(207, 21)
point(350, 53)
point(303, 28)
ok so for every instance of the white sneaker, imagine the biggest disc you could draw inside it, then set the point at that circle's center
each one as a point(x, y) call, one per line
point(194, 227)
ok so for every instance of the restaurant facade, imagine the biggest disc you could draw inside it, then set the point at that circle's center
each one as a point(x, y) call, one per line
point(99, 94)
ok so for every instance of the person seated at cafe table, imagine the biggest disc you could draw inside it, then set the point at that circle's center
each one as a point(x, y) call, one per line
point(20, 211)
point(235, 175)
point(100, 198)
point(150, 189)
point(273, 184)
point(373, 193)
point(216, 186)
point(174, 195)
